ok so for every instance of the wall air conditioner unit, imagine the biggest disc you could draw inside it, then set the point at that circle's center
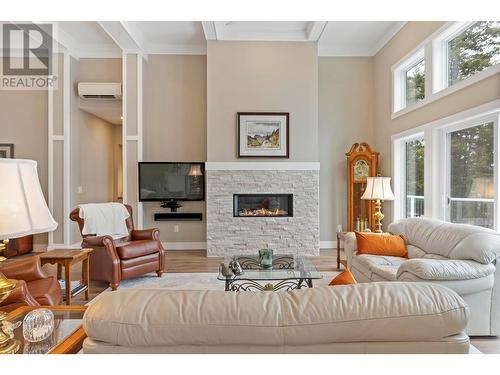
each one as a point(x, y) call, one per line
point(100, 90)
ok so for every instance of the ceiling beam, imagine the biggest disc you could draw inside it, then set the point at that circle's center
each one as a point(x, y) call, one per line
point(66, 40)
point(209, 30)
point(121, 36)
point(314, 30)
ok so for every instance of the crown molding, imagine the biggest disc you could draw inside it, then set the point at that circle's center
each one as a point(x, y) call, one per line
point(315, 30)
point(209, 30)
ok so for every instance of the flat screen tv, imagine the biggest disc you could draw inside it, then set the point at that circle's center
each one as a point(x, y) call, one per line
point(164, 181)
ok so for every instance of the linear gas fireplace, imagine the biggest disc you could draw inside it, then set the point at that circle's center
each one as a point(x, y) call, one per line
point(262, 205)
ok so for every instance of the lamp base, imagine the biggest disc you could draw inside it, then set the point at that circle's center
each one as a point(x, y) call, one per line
point(7, 344)
point(3, 245)
point(378, 216)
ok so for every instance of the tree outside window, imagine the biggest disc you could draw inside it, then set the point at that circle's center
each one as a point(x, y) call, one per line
point(415, 83)
point(471, 175)
point(474, 50)
point(415, 177)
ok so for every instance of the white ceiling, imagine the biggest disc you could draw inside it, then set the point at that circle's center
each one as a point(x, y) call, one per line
point(356, 38)
point(109, 39)
point(86, 39)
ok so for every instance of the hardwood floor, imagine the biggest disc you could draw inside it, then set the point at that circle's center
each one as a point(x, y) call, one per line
point(197, 261)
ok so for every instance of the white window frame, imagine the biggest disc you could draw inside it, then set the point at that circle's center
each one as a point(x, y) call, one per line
point(399, 174)
point(435, 160)
point(435, 48)
point(399, 79)
point(440, 54)
point(445, 161)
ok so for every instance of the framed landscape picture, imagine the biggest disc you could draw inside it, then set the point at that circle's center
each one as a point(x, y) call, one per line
point(6, 150)
point(263, 134)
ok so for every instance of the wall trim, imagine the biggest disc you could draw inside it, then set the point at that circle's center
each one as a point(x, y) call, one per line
point(140, 153)
point(124, 129)
point(67, 146)
point(327, 244)
point(50, 154)
point(262, 166)
point(184, 245)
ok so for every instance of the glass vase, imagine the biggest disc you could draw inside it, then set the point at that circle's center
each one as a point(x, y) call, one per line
point(265, 258)
point(38, 325)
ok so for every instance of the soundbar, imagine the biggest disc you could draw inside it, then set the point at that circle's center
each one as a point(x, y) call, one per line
point(179, 216)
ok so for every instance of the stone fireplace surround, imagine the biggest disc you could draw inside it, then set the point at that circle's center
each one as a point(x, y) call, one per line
point(228, 235)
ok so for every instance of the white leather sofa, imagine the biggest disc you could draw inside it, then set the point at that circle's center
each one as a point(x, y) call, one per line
point(461, 257)
point(363, 318)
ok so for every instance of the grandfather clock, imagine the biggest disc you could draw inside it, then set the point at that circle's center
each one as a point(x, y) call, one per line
point(362, 162)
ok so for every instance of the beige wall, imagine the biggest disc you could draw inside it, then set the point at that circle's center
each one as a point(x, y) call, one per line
point(262, 76)
point(23, 122)
point(410, 36)
point(345, 116)
point(100, 70)
point(175, 102)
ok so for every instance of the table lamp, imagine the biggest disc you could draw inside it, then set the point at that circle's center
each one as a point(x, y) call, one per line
point(378, 189)
point(23, 211)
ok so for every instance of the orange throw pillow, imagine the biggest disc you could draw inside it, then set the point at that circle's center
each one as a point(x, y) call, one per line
point(380, 244)
point(343, 278)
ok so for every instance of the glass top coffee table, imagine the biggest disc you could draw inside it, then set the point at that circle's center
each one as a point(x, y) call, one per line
point(289, 272)
point(68, 334)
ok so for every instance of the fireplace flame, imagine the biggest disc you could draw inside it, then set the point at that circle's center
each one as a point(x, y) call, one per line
point(263, 212)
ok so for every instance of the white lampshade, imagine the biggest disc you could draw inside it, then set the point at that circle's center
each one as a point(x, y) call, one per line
point(195, 170)
point(378, 188)
point(482, 187)
point(23, 209)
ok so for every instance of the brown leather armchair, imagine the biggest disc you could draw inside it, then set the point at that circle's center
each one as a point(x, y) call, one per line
point(34, 287)
point(114, 260)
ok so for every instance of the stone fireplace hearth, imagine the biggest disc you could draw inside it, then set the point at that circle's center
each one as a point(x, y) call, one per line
point(283, 216)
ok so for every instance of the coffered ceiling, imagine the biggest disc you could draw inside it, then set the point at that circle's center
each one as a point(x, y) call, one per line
point(110, 38)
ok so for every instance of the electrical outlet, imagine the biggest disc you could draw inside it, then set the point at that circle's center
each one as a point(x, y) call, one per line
point(80, 189)
point(176, 228)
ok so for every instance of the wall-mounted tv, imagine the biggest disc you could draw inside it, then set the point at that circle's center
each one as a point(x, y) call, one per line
point(164, 181)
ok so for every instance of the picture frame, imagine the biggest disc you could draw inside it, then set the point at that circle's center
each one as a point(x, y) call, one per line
point(7, 150)
point(263, 134)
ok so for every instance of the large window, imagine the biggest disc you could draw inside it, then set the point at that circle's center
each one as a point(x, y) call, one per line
point(473, 50)
point(414, 177)
point(471, 197)
point(449, 169)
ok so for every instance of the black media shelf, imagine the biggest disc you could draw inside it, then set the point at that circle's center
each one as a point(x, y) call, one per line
point(179, 216)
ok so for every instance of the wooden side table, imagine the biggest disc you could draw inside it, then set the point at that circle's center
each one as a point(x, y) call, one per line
point(65, 258)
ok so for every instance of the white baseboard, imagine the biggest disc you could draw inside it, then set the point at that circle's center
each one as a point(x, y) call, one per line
point(185, 245)
point(203, 245)
point(327, 244)
point(167, 245)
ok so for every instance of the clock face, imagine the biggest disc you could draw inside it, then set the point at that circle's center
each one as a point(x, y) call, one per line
point(360, 169)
